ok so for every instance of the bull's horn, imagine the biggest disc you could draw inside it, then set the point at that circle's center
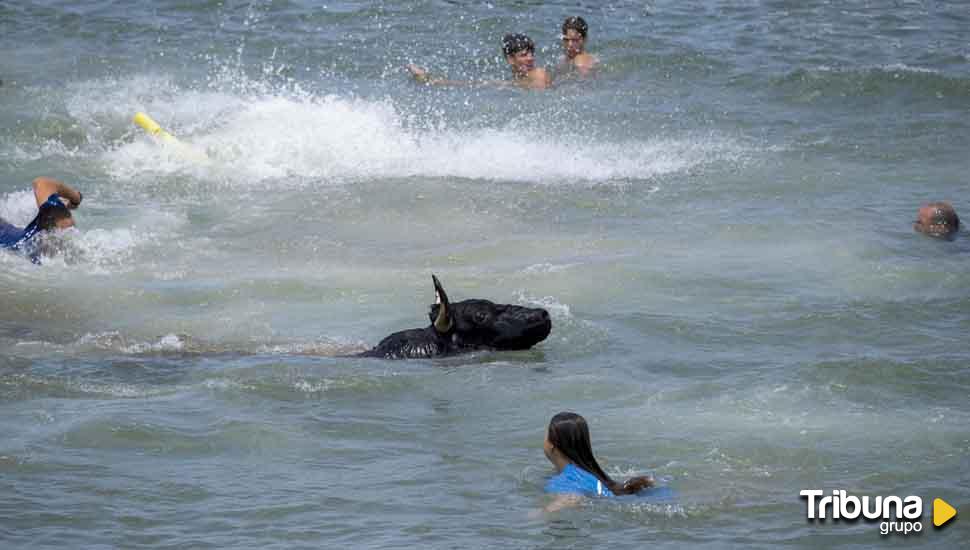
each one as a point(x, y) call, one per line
point(443, 322)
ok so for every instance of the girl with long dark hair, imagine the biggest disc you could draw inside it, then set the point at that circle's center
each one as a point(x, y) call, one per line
point(567, 446)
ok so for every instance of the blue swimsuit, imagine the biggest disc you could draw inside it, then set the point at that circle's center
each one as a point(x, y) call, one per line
point(575, 480)
point(15, 238)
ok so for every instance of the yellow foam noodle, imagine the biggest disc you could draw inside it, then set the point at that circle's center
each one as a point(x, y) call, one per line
point(153, 128)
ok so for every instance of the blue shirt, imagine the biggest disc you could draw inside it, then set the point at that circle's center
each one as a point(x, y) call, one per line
point(575, 480)
point(14, 238)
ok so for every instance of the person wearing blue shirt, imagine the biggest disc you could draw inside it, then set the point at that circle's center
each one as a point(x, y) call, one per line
point(55, 200)
point(568, 447)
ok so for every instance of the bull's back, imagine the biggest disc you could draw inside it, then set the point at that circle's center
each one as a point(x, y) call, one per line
point(408, 344)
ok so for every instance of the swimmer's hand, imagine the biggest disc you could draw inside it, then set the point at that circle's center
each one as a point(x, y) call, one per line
point(72, 205)
point(69, 204)
point(418, 73)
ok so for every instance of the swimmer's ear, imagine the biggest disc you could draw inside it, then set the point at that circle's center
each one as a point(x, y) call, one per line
point(442, 322)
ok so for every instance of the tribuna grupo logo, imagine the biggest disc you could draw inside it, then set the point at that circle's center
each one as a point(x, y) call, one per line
point(897, 515)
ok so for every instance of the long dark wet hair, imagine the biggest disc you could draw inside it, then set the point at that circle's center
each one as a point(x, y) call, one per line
point(50, 214)
point(569, 433)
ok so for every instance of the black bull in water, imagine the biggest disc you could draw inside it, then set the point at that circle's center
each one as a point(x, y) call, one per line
point(466, 326)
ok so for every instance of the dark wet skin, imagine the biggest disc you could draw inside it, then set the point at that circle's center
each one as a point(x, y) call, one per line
point(466, 326)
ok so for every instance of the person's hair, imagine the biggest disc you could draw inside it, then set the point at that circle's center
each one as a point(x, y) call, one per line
point(569, 433)
point(944, 214)
point(577, 24)
point(514, 43)
point(938, 219)
point(50, 214)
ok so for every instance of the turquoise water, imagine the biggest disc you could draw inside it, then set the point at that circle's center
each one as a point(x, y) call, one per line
point(719, 224)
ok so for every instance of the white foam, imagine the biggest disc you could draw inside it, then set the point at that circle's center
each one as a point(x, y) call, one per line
point(555, 308)
point(547, 268)
point(95, 251)
point(98, 249)
point(45, 149)
point(169, 342)
point(889, 68)
point(116, 341)
point(903, 68)
point(330, 348)
point(289, 136)
point(18, 207)
point(115, 390)
point(319, 386)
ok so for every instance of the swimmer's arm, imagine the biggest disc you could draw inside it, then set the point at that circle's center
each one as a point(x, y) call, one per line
point(421, 76)
point(45, 187)
point(563, 501)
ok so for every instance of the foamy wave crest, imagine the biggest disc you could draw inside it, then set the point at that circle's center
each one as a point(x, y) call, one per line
point(890, 68)
point(251, 139)
point(115, 341)
point(547, 268)
point(59, 386)
point(99, 250)
point(326, 349)
point(128, 391)
point(110, 249)
point(18, 207)
point(341, 139)
point(555, 308)
point(43, 149)
point(105, 107)
point(316, 386)
point(169, 342)
point(95, 251)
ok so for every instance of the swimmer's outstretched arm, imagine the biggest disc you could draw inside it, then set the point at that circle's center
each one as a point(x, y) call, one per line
point(563, 501)
point(420, 75)
point(45, 187)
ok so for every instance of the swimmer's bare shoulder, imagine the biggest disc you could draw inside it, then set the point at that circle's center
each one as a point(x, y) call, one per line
point(585, 63)
point(537, 79)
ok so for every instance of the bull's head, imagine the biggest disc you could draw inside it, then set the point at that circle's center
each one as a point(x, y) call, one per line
point(483, 324)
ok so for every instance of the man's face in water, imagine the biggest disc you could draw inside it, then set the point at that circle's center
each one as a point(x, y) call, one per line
point(572, 43)
point(936, 220)
point(522, 61)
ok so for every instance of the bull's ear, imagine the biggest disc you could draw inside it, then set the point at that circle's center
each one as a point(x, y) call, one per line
point(442, 322)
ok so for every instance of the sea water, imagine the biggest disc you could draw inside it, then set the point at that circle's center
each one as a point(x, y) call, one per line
point(719, 223)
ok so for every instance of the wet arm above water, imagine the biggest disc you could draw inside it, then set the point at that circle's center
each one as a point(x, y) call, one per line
point(420, 75)
point(45, 187)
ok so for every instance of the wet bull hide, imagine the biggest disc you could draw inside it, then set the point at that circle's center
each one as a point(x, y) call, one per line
point(466, 326)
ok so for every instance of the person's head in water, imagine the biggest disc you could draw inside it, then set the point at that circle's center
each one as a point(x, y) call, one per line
point(574, 31)
point(520, 53)
point(54, 217)
point(567, 441)
point(937, 219)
